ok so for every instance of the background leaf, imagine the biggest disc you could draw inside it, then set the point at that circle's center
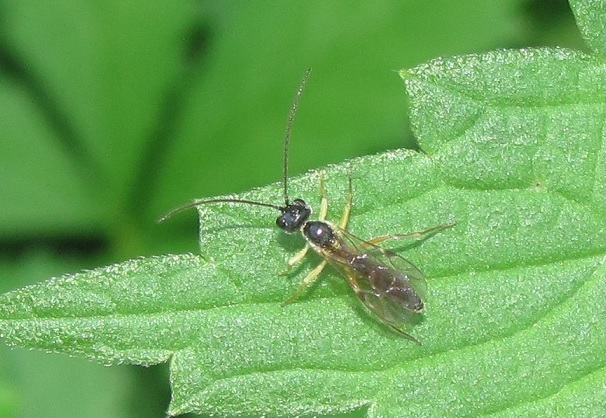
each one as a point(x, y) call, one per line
point(592, 23)
point(98, 91)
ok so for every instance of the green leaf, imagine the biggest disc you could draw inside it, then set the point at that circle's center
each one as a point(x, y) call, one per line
point(591, 19)
point(516, 316)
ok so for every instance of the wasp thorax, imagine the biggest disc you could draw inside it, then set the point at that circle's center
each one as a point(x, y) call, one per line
point(319, 233)
point(294, 215)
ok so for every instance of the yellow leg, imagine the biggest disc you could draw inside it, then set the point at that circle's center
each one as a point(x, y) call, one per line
point(294, 260)
point(411, 235)
point(311, 277)
point(324, 201)
point(345, 217)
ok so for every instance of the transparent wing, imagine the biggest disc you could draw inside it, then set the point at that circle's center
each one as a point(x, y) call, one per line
point(389, 310)
point(407, 272)
point(389, 286)
point(413, 274)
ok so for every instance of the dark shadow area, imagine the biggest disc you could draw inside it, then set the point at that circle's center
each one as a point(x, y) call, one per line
point(160, 140)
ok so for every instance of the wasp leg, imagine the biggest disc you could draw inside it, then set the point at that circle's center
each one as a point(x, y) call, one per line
point(324, 201)
point(348, 203)
point(311, 277)
point(411, 235)
point(294, 260)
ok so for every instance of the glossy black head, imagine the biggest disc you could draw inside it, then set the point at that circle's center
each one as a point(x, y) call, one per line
point(319, 233)
point(293, 216)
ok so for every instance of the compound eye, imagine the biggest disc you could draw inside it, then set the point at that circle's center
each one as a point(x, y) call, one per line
point(281, 222)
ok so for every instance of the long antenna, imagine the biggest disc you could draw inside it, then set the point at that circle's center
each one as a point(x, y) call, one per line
point(203, 202)
point(291, 118)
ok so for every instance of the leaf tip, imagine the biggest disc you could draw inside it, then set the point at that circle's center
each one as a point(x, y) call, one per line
point(404, 73)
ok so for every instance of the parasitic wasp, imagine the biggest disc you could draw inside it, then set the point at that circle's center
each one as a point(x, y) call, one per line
point(390, 286)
